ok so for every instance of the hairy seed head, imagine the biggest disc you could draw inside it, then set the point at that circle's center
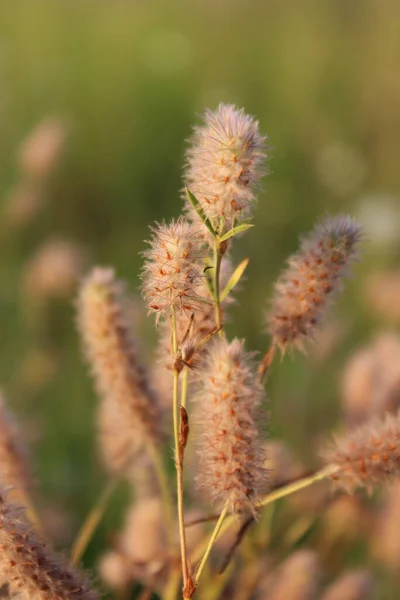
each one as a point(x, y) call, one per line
point(30, 567)
point(224, 166)
point(297, 578)
point(173, 269)
point(371, 380)
point(367, 455)
point(314, 274)
point(105, 326)
point(231, 464)
point(357, 584)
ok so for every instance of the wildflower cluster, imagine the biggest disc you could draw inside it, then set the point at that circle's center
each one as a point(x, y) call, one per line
point(212, 389)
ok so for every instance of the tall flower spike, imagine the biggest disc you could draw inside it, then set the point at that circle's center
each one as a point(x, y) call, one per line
point(314, 274)
point(15, 469)
point(29, 567)
point(366, 456)
point(111, 348)
point(173, 269)
point(231, 453)
point(224, 165)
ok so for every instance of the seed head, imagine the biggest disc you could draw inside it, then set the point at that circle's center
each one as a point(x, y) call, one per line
point(173, 269)
point(15, 471)
point(368, 455)
point(224, 166)
point(371, 380)
point(104, 322)
point(314, 274)
point(297, 578)
point(231, 464)
point(357, 584)
point(29, 567)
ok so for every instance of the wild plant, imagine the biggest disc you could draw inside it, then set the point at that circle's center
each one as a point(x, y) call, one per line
point(209, 390)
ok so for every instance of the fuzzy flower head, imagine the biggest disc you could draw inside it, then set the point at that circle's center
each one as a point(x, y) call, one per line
point(31, 569)
point(366, 456)
point(224, 166)
point(173, 269)
point(231, 453)
point(105, 325)
point(304, 290)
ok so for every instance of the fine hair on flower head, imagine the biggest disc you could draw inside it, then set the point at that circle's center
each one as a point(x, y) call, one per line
point(173, 268)
point(224, 165)
point(304, 290)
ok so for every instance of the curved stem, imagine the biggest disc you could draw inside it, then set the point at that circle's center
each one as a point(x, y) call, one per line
point(211, 542)
point(281, 492)
point(91, 522)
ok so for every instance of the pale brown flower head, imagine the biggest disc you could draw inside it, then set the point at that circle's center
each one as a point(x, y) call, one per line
point(15, 470)
point(367, 455)
point(54, 269)
point(115, 570)
point(224, 166)
point(382, 290)
point(297, 578)
point(231, 459)
point(357, 584)
point(122, 450)
point(173, 269)
point(371, 379)
point(30, 567)
point(104, 321)
point(41, 150)
point(304, 290)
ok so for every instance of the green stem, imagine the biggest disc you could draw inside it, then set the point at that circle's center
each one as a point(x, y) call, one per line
point(211, 542)
point(178, 460)
point(217, 294)
point(281, 492)
point(92, 520)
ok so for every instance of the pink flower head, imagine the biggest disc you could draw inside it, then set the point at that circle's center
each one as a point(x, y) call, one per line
point(224, 166)
point(173, 270)
point(314, 274)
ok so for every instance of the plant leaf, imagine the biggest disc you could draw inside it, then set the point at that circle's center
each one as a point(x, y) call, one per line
point(234, 279)
point(196, 205)
point(235, 231)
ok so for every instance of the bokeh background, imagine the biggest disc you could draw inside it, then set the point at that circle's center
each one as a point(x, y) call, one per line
point(96, 102)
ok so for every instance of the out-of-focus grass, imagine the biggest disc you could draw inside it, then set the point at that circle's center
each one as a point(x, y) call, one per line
point(128, 78)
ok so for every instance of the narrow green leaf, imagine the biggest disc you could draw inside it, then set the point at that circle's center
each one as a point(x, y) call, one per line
point(235, 278)
point(239, 229)
point(196, 205)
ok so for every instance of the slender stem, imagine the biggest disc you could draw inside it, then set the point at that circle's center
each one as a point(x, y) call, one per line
point(281, 492)
point(184, 386)
point(217, 295)
point(210, 544)
point(92, 520)
point(178, 459)
point(286, 490)
point(266, 362)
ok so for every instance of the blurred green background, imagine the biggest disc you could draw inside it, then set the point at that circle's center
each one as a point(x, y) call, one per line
point(123, 82)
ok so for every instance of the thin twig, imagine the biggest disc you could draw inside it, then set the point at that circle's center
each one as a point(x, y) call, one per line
point(178, 459)
point(91, 522)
